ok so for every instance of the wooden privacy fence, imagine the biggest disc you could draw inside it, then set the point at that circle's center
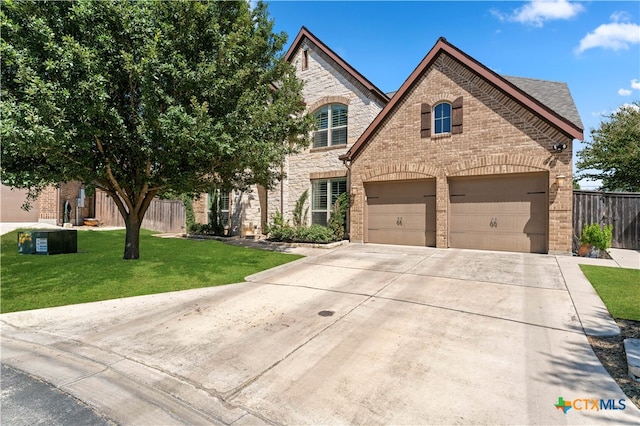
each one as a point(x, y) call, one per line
point(620, 209)
point(162, 215)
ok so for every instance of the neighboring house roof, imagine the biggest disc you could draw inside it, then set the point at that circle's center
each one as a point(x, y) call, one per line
point(556, 112)
point(348, 69)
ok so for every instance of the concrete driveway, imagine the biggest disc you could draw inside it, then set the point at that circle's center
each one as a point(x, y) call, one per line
point(362, 334)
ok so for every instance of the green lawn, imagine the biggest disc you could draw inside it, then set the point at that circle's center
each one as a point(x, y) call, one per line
point(618, 288)
point(98, 272)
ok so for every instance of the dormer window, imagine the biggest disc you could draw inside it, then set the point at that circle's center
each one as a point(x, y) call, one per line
point(331, 125)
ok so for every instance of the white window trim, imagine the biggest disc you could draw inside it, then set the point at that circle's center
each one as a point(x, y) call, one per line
point(329, 128)
point(442, 134)
point(329, 196)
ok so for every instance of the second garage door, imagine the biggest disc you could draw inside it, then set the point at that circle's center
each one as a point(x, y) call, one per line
point(401, 212)
point(508, 212)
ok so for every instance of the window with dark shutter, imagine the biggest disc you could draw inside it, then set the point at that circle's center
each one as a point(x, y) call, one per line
point(442, 119)
point(425, 121)
point(456, 116)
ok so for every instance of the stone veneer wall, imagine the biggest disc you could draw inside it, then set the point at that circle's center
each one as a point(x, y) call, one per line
point(499, 137)
point(324, 82)
point(245, 211)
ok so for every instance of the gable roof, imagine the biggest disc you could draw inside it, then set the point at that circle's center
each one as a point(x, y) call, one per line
point(539, 102)
point(348, 69)
point(554, 94)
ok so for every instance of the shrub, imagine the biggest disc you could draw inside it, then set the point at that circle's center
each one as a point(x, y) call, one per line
point(597, 236)
point(277, 222)
point(302, 234)
point(187, 202)
point(202, 229)
point(299, 212)
point(339, 215)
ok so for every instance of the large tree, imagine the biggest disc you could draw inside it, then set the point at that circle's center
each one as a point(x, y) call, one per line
point(613, 155)
point(140, 98)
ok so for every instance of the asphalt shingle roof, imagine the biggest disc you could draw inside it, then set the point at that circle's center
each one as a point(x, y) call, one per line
point(555, 95)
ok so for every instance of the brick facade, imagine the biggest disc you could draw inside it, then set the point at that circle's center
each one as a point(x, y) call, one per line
point(52, 202)
point(499, 137)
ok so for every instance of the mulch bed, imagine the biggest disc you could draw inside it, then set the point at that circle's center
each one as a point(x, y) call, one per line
point(610, 351)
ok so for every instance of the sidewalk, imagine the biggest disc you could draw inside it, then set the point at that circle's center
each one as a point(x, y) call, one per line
point(626, 258)
point(593, 315)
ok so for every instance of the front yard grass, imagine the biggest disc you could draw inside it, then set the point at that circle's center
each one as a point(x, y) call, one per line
point(98, 272)
point(619, 289)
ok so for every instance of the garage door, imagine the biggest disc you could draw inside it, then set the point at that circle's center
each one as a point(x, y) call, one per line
point(12, 200)
point(402, 212)
point(507, 213)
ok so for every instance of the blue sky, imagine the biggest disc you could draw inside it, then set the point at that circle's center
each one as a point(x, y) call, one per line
point(593, 46)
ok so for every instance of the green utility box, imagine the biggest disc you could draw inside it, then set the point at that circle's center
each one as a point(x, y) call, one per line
point(48, 241)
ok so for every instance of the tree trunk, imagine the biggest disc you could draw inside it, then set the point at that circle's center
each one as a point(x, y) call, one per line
point(132, 241)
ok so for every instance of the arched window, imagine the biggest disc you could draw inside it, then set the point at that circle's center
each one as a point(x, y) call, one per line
point(331, 123)
point(442, 118)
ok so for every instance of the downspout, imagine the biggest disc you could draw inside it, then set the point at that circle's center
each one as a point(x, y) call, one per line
point(347, 164)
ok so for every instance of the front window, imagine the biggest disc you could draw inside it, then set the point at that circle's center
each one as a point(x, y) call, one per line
point(324, 194)
point(331, 124)
point(442, 118)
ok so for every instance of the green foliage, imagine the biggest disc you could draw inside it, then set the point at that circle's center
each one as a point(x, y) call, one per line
point(597, 236)
point(338, 216)
point(96, 272)
point(576, 184)
point(303, 234)
point(216, 227)
point(277, 222)
point(619, 289)
point(614, 154)
point(279, 230)
point(300, 216)
point(204, 229)
point(143, 97)
point(190, 219)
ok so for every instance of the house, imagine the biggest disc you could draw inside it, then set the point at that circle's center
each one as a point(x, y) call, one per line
point(463, 157)
point(459, 156)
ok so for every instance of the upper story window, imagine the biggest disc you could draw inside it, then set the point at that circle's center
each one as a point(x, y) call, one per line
point(331, 123)
point(442, 118)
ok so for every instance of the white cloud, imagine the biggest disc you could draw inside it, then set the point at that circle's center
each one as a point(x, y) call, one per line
point(635, 84)
point(624, 92)
point(620, 16)
point(615, 36)
point(537, 12)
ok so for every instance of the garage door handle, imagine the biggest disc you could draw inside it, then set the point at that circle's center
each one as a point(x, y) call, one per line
point(399, 221)
point(493, 223)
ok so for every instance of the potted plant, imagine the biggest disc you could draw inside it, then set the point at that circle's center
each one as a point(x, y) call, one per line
point(595, 238)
